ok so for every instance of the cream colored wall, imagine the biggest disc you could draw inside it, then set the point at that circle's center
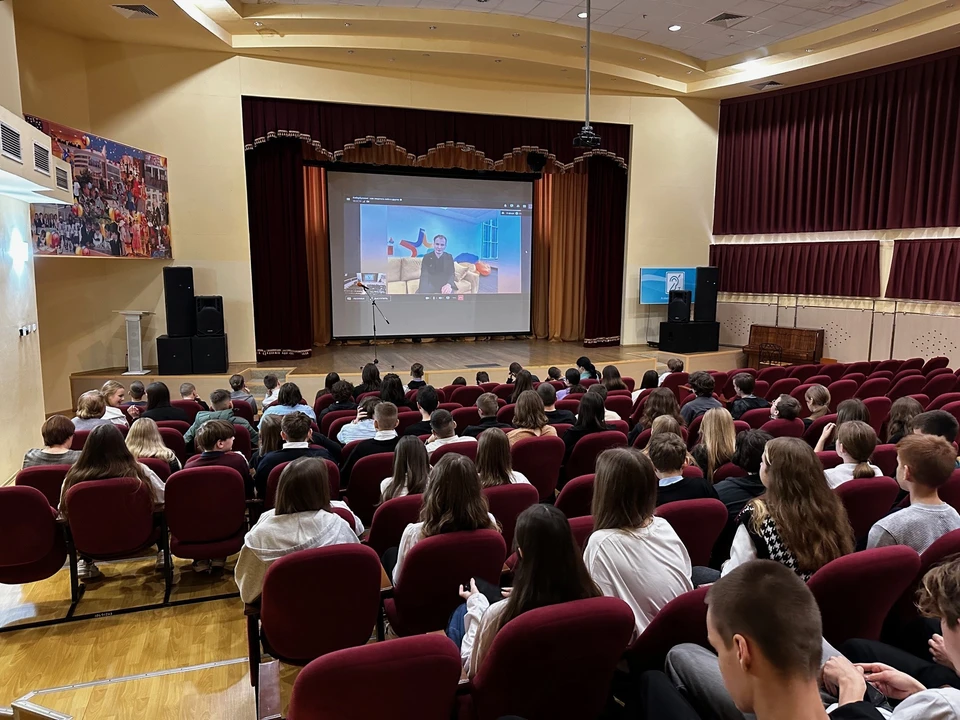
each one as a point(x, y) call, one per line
point(9, 76)
point(186, 105)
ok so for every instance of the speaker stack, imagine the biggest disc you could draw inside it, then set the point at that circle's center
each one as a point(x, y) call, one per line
point(195, 342)
point(678, 334)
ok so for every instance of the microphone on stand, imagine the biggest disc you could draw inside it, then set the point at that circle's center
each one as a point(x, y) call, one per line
point(361, 285)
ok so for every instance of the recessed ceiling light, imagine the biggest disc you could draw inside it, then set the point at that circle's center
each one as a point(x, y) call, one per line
point(875, 30)
point(257, 23)
point(582, 15)
point(516, 34)
point(349, 52)
point(642, 58)
point(583, 47)
point(433, 27)
point(346, 24)
point(498, 60)
point(673, 28)
point(809, 50)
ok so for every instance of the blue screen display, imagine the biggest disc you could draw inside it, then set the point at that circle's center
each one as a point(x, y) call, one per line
point(655, 283)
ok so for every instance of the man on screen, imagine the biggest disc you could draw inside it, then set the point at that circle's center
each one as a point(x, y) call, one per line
point(436, 271)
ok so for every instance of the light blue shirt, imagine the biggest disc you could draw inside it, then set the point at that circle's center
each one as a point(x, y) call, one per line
point(286, 410)
point(667, 481)
point(362, 430)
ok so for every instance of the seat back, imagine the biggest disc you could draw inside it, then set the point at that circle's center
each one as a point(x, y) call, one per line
point(416, 678)
point(190, 407)
point(363, 396)
point(728, 470)
point(32, 546)
point(581, 527)
point(173, 439)
point(909, 385)
point(802, 372)
point(772, 374)
point(338, 424)
point(856, 592)
point(301, 619)
point(841, 390)
point(243, 409)
point(872, 388)
point(940, 385)
point(622, 405)
point(819, 379)
point(942, 548)
point(673, 381)
point(322, 403)
point(583, 459)
point(941, 401)
point(693, 432)
point(756, 418)
point(390, 519)
point(79, 439)
point(879, 409)
point(565, 654)
point(885, 457)
point(426, 592)
point(905, 372)
point(682, 620)
point(466, 395)
point(576, 497)
point(561, 429)
point(241, 440)
point(504, 391)
point(783, 386)
point(506, 503)
point(179, 425)
point(739, 426)
point(159, 466)
point(815, 430)
point(867, 500)
point(889, 365)
point(327, 420)
point(829, 459)
point(506, 413)
point(449, 406)
point(571, 404)
point(363, 490)
point(539, 459)
point(698, 523)
point(469, 449)
point(834, 371)
point(273, 480)
point(858, 367)
point(886, 374)
point(205, 504)
point(48, 479)
point(950, 491)
point(934, 363)
point(938, 371)
point(111, 518)
point(784, 428)
point(465, 417)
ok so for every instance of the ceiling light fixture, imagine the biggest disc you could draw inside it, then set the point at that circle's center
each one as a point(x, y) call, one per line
point(642, 58)
point(498, 60)
point(587, 137)
point(809, 50)
point(346, 24)
point(257, 23)
point(875, 30)
point(349, 52)
point(433, 27)
point(674, 28)
point(516, 34)
point(582, 15)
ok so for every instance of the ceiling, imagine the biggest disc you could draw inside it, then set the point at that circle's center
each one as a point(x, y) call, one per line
point(540, 43)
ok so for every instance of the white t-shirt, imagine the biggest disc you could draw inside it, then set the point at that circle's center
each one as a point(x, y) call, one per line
point(840, 474)
point(933, 704)
point(440, 442)
point(646, 567)
point(413, 534)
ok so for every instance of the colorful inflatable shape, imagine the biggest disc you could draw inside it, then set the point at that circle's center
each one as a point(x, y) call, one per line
point(421, 242)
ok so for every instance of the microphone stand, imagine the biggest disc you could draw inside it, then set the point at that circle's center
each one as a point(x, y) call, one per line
point(374, 309)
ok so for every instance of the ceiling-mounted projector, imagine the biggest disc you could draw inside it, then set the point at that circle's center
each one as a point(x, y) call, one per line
point(586, 138)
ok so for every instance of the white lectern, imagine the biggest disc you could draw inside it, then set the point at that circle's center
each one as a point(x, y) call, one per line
point(134, 341)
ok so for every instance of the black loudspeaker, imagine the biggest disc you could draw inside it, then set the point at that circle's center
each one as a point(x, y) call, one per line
point(209, 315)
point(174, 355)
point(178, 300)
point(209, 354)
point(705, 308)
point(678, 306)
point(689, 337)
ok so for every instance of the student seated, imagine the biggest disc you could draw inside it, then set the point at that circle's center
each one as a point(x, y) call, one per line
point(289, 400)
point(302, 519)
point(57, 432)
point(188, 391)
point(295, 431)
point(649, 381)
point(590, 420)
point(483, 377)
point(785, 407)
point(113, 395)
point(488, 407)
point(369, 380)
point(411, 466)
point(329, 381)
point(817, 398)
point(90, 411)
point(215, 442)
point(515, 370)
point(548, 395)
point(669, 425)
point(384, 440)
point(632, 554)
point(668, 453)
point(554, 373)
point(549, 571)
point(611, 380)
point(588, 371)
point(104, 457)
point(444, 431)
point(222, 410)
point(137, 395)
point(661, 401)
point(460, 381)
point(452, 503)
point(391, 391)
point(718, 440)
point(608, 415)
point(523, 382)
point(342, 399)
point(735, 493)
point(924, 463)
point(427, 402)
point(674, 365)
point(936, 422)
point(272, 385)
point(416, 380)
point(571, 379)
point(529, 419)
point(799, 521)
point(270, 440)
point(494, 464)
point(144, 441)
point(856, 442)
point(158, 404)
point(702, 384)
point(899, 422)
point(743, 386)
point(239, 392)
point(362, 427)
point(847, 411)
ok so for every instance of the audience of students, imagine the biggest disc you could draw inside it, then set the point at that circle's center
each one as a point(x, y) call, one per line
point(90, 411)
point(588, 370)
point(427, 402)
point(483, 377)
point(329, 381)
point(632, 554)
point(522, 382)
point(799, 521)
point(302, 518)
point(362, 426)
point(674, 365)
point(487, 407)
point(443, 431)
point(416, 380)
point(384, 440)
point(137, 393)
point(611, 379)
point(272, 386)
point(554, 374)
point(113, 396)
point(239, 392)
point(900, 419)
point(144, 441)
point(295, 431)
point(369, 380)
point(817, 398)
point(571, 379)
point(548, 395)
point(188, 391)
point(668, 453)
point(158, 404)
point(590, 420)
point(743, 386)
point(57, 433)
point(342, 393)
point(215, 443)
point(494, 464)
point(411, 467)
point(856, 441)
point(702, 384)
point(289, 400)
point(847, 411)
point(718, 440)
point(221, 409)
point(924, 463)
point(529, 419)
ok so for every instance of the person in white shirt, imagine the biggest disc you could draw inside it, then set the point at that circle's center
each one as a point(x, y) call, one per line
point(411, 466)
point(494, 464)
point(303, 518)
point(608, 414)
point(452, 503)
point(673, 365)
point(272, 386)
point(856, 441)
point(632, 554)
point(113, 395)
point(444, 431)
point(362, 427)
point(550, 571)
point(924, 463)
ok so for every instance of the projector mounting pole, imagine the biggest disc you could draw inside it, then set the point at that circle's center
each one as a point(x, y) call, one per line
point(586, 123)
point(374, 309)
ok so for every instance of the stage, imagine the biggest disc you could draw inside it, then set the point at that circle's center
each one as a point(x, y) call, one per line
point(443, 360)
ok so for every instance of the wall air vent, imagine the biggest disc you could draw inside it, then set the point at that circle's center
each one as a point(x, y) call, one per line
point(63, 179)
point(10, 143)
point(134, 12)
point(726, 20)
point(41, 159)
point(768, 85)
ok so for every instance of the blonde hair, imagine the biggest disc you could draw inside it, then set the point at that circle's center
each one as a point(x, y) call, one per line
point(109, 388)
point(820, 396)
point(144, 441)
point(91, 405)
point(719, 439)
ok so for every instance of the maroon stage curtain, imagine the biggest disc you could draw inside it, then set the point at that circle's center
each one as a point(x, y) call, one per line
point(875, 150)
point(809, 268)
point(606, 234)
point(278, 251)
point(925, 270)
